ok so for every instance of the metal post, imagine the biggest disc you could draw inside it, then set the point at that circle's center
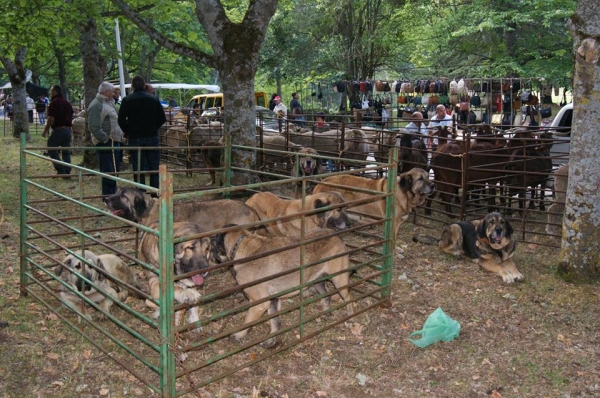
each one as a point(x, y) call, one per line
point(165, 258)
point(120, 59)
point(23, 219)
point(389, 225)
point(227, 154)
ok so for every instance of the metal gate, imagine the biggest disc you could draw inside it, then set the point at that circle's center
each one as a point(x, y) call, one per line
point(60, 217)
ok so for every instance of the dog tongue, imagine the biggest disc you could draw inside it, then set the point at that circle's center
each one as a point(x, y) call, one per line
point(117, 212)
point(198, 279)
point(498, 239)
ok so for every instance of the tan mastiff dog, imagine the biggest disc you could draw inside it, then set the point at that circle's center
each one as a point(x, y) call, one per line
point(413, 189)
point(268, 205)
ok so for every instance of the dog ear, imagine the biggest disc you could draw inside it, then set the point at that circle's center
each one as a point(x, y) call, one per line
point(481, 228)
point(101, 266)
point(59, 269)
point(318, 203)
point(509, 228)
point(140, 205)
point(405, 182)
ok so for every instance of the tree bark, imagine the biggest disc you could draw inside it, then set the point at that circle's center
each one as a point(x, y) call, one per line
point(92, 77)
point(580, 254)
point(235, 56)
point(16, 73)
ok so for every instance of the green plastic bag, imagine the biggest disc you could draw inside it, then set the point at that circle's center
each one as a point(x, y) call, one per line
point(437, 327)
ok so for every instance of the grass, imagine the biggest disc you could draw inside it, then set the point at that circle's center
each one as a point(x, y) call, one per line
point(537, 338)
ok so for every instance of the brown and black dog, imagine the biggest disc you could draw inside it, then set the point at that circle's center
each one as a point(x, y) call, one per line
point(490, 242)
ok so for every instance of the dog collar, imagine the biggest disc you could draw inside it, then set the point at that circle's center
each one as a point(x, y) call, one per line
point(239, 240)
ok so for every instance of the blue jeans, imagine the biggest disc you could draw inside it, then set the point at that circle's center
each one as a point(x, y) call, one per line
point(42, 117)
point(109, 162)
point(149, 159)
point(60, 138)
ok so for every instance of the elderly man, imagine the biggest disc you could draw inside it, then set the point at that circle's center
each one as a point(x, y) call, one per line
point(440, 119)
point(416, 126)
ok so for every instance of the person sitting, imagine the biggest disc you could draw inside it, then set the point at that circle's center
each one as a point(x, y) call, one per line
point(298, 117)
point(320, 123)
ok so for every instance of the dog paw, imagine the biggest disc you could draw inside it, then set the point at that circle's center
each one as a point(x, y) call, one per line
point(510, 278)
point(270, 343)
point(189, 296)
point(239, 335)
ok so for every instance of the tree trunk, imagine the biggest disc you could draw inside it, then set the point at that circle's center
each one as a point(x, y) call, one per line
point(235, 48)
point(92, 77)
point(580, 254)
point(16, 73)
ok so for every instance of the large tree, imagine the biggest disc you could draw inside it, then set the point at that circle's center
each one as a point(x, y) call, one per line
point(235, 39)
point(581, 232)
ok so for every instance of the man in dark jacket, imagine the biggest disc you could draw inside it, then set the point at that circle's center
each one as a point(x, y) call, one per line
point(140, 117)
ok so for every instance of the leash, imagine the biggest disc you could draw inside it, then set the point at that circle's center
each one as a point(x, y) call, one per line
point(114, 159)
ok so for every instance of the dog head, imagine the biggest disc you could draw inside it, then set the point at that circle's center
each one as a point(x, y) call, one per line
point(72, 263)
point(192, 255)
point(130, 203)
point(496, 229)
point(334, 218)
point(308, 164)
point(416, 184)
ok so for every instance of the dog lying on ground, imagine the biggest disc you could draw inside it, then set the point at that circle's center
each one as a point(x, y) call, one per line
point(111, 264)
point(413, 188)
point(190, 256)
point(490, 242)
point(268, 205)
point(237, 244)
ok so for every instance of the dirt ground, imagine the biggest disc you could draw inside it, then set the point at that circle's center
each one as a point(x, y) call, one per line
point(537, 338)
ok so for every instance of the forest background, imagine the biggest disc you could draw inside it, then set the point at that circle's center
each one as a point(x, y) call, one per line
point(307, 44)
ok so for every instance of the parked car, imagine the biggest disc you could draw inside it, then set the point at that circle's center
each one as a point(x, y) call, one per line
point(561, 130)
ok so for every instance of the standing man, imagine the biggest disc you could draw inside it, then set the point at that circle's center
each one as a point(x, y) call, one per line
point(117, 97)
point(295, 103)
point(60, 116)
point(30, 107)
point(40, 108)
point(102, 121)
point(280, 111)
point(140, 117)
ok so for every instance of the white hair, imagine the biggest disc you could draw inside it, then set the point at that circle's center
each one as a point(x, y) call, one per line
point(105, 86)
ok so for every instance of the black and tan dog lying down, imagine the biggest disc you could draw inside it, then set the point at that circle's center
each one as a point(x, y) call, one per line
point(238, 244)
point(489, 242)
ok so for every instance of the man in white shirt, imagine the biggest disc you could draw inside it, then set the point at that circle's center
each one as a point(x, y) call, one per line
point(416, 126)
point(30, 107)
point(280, 110)
point(440, 119)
